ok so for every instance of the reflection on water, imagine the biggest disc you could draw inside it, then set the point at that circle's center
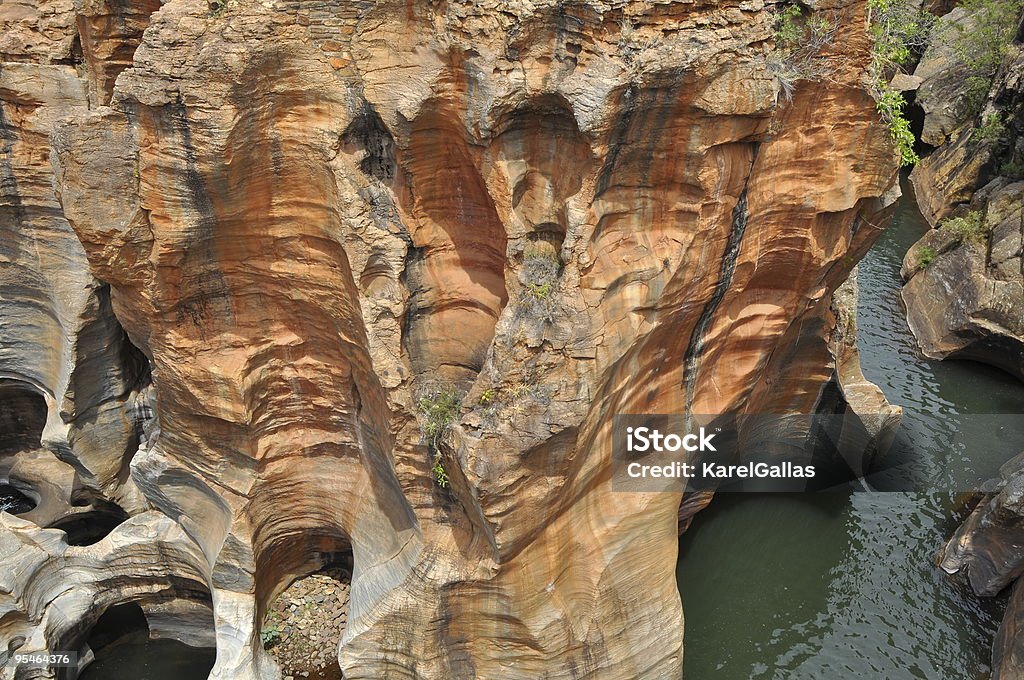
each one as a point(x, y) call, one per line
point(14, 501)
point(805, 587)
point(150, 660)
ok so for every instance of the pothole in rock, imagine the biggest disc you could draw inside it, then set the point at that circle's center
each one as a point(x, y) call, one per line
point(14, 501)
point(91, 527)
point(121, 647)
point(304, 624)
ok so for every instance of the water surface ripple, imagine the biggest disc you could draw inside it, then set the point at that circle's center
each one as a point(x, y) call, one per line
point(844, 585)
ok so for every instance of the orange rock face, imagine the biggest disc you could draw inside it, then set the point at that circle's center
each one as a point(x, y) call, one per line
point(313, 216)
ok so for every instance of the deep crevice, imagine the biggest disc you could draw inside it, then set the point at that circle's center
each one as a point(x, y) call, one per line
point(155, 637)
point(15, 500)
point(22, 416)
point(368, 133)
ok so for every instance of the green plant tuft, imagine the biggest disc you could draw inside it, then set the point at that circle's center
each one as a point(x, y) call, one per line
point(270, 635)
point(1012, 169)
point(992, 129)
point(969, 229)
point(539, 276)
point(926, 255)
point(440, 476)
point(898, 30)
point(439, 409)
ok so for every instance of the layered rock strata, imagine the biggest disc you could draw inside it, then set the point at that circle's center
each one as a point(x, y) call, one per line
point(314, 218)
point(964, 291)
point(964, 287)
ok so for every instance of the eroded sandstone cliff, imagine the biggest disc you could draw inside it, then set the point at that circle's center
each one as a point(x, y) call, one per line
point(313, 218)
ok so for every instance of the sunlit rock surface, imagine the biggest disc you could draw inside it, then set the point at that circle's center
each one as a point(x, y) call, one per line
point(311, 214)
point(965, 296)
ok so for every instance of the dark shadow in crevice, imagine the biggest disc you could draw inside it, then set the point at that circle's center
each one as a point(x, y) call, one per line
point(120, 623)
point(92, 526)
point(124, 644)
point(22, 416)
point(15, 500)
point(367, 133)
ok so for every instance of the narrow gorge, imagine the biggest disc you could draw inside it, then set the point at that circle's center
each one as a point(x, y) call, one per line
point(316, 319)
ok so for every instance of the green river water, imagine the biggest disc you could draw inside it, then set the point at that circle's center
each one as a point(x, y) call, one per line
point(844, 585)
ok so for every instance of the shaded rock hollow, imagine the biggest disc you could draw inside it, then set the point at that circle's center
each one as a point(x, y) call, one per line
point(306, 215)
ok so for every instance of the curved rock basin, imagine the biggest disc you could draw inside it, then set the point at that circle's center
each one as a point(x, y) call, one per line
point(14, 501)
point(151, 660)
point(844, 585)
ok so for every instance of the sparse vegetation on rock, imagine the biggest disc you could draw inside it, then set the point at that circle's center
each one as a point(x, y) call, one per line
point(969, 228)
point(539, 276)
point(982, 44)
point(898, 29)
point(801, 37)
point(992, 129)
point(439, 408)
point(926, 255)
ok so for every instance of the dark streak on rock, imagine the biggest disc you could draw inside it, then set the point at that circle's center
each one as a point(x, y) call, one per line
point(695, 351)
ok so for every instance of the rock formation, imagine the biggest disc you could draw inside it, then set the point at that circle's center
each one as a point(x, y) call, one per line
point(865, 401)
point(310, 218)
point(965, 283)
point(988, 549)
point(964, 291)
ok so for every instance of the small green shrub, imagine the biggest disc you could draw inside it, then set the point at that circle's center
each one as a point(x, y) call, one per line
point(217, 6)
point(992, 129)
point(270, 635)
point(488, 396)
point(898, 30)
point(440, 475)
point(926, 255)
point(1013, 169)
point(439, 409)
point(787, 25)
point(982, 45)
point(969, 229)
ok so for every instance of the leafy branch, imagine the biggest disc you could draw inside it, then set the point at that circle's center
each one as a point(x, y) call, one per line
point(898, 29)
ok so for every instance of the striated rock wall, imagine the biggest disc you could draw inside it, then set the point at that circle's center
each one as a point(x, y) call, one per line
point(964, 288)
point(965, 292)
point(65, 363)
point(312, 216)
